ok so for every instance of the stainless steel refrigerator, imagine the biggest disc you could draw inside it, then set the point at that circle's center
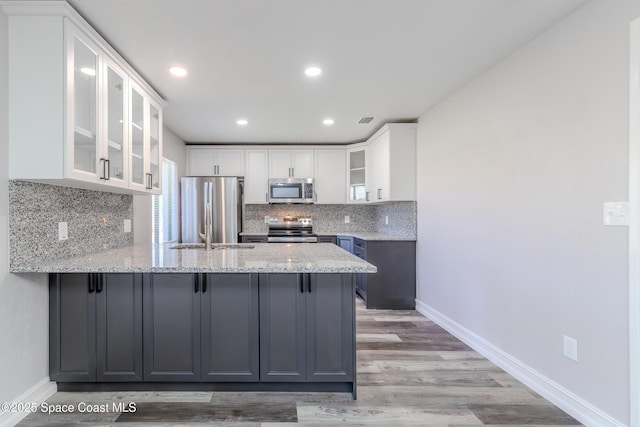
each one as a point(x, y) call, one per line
point(225, 194)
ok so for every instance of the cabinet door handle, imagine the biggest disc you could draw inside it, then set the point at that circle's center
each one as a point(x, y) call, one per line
point(196, 284)
point(379, 193)
point(108, 168)
point(149, 181)
point(367, 196)
point(266, 197)
point(315, 197)
point(99, 279)
point(302, 285)
point(104, 173)
point(308, 277)
point(204, 283)
point(92, 285)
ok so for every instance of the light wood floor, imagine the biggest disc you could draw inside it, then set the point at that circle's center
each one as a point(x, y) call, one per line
point(410, 373)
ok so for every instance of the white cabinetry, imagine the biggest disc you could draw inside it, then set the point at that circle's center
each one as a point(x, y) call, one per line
point(207, 161)
point(71, 105)
point(256, 176)
point(330, 183)
point(146, 143)
point(389, 162)
point(296, 163)
point(357, 158)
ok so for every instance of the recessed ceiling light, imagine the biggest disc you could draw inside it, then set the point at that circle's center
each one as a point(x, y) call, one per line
point(313, 71)
point(242, 122)
point(328, 122)
point(178, 71)
point(88, 71)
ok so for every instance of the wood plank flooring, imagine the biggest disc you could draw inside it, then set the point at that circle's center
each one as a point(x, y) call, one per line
point(411, 372)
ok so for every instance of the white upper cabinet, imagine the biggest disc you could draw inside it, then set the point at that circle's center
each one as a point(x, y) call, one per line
point(357, 158)
point(384, 167)
point(83, 72)
point(74, 106)
point(290, 163)
point(145, 131)
point(393, 163)
point(207, 161)
point(114, 152)
point(256, 176)
point(330, 185)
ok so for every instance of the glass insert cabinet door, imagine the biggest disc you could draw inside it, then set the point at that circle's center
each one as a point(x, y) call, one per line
point(85, 106)
point(357, 173)
point(137, 138)
point(154, 148)
point(114, 166)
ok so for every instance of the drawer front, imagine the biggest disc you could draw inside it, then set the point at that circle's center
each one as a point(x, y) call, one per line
point(360, 248)
point(255, 239)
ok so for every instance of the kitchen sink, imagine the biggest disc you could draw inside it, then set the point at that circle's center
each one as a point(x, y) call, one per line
point(213, 246)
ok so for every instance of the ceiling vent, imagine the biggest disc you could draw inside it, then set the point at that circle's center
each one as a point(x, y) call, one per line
point(365, 120)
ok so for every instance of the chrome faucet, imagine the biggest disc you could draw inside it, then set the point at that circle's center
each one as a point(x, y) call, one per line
point(206, 236)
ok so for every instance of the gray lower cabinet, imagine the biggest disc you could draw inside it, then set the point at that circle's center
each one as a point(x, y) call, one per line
point(307, 328)
point(345, 242)
point(394, 285)
point(95, 327)
point(230, 327)
point(213, 328)
point(171, 327)
point(201, 327)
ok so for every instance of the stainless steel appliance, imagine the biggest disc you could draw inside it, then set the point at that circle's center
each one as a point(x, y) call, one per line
point(291, 190)
point(291, 230)
point(224, 194)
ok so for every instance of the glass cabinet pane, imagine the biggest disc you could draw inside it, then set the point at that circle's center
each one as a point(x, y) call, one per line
point(85, 89)
point(115, 124)
point(357, 190)
point(137, 138)
point(154, 146)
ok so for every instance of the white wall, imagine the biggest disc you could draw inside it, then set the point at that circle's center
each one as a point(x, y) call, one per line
point(512, 174)
point(173, 149)
point(24, 299)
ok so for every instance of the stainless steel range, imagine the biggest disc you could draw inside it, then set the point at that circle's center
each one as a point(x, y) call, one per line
point(287, 229)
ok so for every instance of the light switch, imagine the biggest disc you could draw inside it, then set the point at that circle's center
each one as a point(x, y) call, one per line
point(347, 219)
point(616, 213)
point(127, 226)
point(63, 231)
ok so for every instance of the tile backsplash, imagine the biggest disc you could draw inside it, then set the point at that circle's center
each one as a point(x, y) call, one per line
point(95, 221)
point(330, 218)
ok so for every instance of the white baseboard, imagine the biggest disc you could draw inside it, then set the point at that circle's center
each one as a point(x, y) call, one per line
point(564, 399)
point(36, 394)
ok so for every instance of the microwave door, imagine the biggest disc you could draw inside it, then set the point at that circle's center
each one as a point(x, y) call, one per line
point(285, 193)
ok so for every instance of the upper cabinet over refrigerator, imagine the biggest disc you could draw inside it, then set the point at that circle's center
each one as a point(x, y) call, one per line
point(71, 105)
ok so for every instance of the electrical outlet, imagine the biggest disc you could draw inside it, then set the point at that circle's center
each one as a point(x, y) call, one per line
point(266, 219)
point(347, 219)
point(127, 226)
point(386, 220)
point(63, 231)
point(616, 213)
point(570, 348)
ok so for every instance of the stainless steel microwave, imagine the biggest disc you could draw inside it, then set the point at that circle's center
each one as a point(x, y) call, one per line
point(291, 190)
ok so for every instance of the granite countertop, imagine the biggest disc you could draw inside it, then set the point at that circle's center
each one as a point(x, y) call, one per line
point(364, 235)
point(243, 258)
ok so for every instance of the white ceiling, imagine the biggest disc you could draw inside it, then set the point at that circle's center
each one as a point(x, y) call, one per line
point(391, 59)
